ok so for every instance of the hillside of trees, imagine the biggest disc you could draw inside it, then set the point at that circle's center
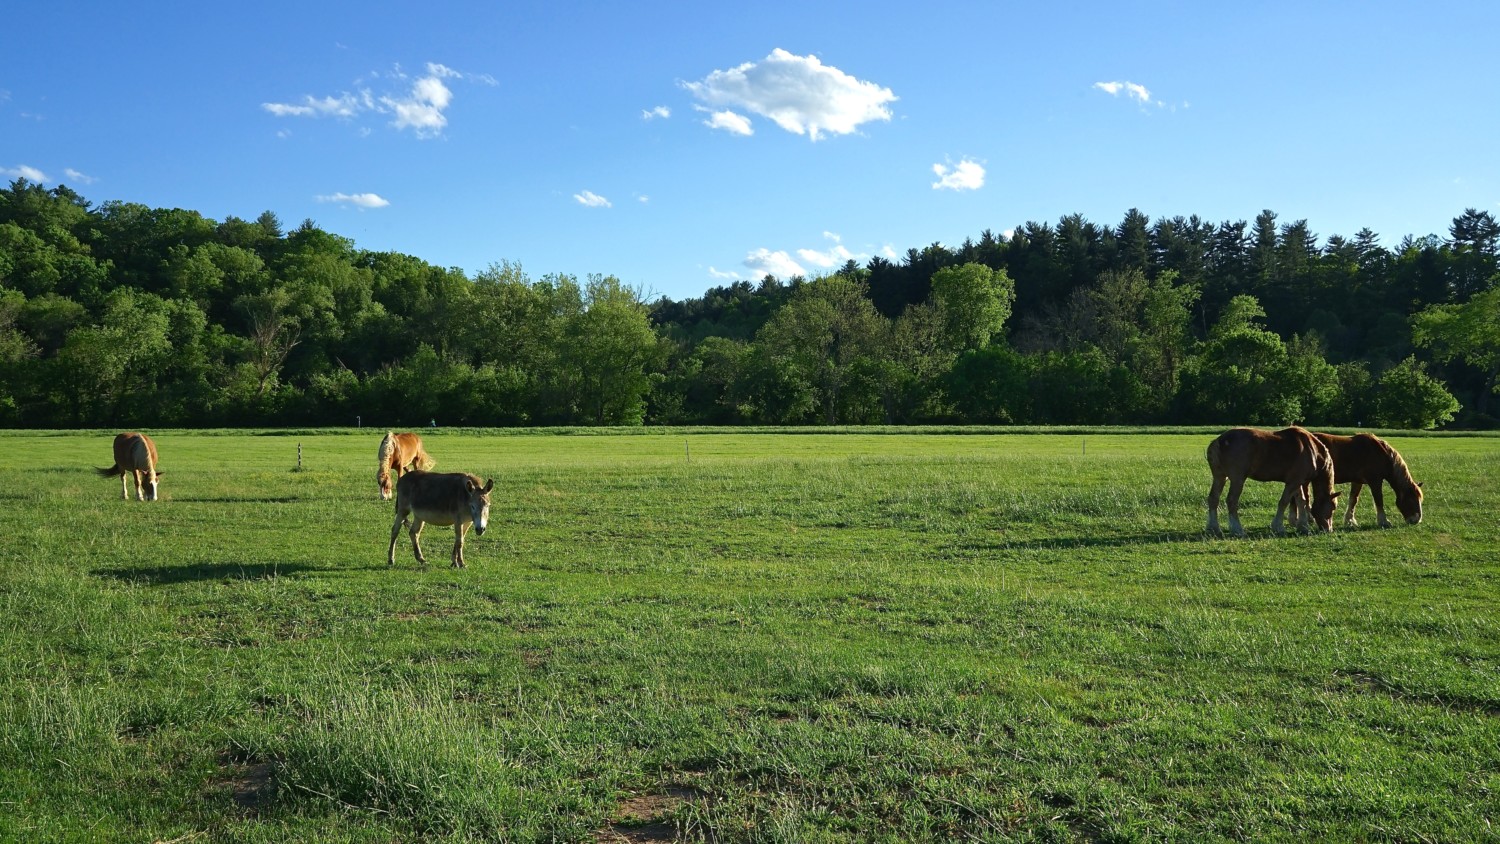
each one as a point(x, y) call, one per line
point(122, 315)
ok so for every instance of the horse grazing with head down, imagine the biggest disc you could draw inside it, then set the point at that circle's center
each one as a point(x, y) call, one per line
point(399, 453)
point(1292, 456)
point(135, 455)
point(1368, 460)
point(455, 498)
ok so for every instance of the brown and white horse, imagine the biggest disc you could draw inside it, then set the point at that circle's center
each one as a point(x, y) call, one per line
point(454, 498)
point(1368, 460)
point(399, 453)
point(1291, 456)
point(135, 455)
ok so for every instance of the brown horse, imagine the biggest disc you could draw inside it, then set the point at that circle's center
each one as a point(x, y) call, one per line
point(399, 453)
point(454, 499)
point(1291, 456)
point(135, 455)
point(1368, 460)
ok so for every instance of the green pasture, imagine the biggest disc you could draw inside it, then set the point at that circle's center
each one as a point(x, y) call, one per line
point(729, 636)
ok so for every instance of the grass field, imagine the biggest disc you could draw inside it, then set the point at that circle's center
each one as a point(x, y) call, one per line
point(740, 637)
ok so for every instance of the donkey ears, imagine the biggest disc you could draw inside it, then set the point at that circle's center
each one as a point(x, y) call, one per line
point(488, 485)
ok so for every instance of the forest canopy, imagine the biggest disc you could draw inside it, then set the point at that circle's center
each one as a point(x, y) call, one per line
point(122, 315)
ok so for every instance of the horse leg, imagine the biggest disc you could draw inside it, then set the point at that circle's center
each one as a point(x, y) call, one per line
point(1288, 493)
point(390, 557)
point(1213, 506)
point(1379, 496)
point(1235, 486)
point(140, 493)
point(124, 485)
point(1349, 520)
point(416, 535)
point(459, 528)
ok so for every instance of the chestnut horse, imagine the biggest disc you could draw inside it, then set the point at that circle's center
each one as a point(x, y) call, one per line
point(135, 455)
point(1368, 460)
point(1291, 456)
point(399, 453)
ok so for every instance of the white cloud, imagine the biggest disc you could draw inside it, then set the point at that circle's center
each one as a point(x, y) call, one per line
point(25, 171)
point(735, 124)
point(660, 111)
point(966, 175)
point(799, 93)
point(715, 273)
point(1131, 90)
point(835, 256)
point(79, 177)
point(422, 108)
point(765, 262)
point(889, 251)
point(592, 200)
point(358, 200)
point(642, 198)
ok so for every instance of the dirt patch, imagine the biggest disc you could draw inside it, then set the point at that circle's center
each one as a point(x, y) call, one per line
point(251, 784)
point(646, 817)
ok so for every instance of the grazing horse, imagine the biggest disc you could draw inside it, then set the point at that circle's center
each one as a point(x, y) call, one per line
point(399, 453)
point(1368, 460)
point(135, 455)
point(1291, 456)
point(454, 498)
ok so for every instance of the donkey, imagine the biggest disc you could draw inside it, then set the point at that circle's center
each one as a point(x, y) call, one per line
point(1291, 456)
point(135, 456)
point(452, 498)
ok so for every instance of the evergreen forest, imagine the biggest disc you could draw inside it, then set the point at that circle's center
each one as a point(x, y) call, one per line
point(120, 315)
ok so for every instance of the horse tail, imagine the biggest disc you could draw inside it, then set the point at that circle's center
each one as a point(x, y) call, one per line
point(424, 460)
point(1215, 448)
point(112, 472)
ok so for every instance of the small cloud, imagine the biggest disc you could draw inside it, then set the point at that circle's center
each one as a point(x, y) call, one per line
point(798, 93)
point(358, 200)
point(734, 124)
point(765, 262)
point(589, 199)
point(76, 176)
point(422, 108)
point(24, 171)
point(966, 175)
point(283, 133)
point(889, 251)
point(642, 198)
point(832, 257)
point(714, 273)
point(660, 111)
point(1131, 90)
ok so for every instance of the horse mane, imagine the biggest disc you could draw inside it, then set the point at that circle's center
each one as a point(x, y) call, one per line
point(423, 460)
point(1401, 479)
point(383, 458)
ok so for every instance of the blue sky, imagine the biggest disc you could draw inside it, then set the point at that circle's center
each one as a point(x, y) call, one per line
point(681, 145)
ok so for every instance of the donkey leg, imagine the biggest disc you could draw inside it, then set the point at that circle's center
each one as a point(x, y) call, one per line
point(1349, 520)
point(459, 528)
point(416, 539)
point(1379, 496)
point(1235, 486)
point(390, 557)
point(1213, 506)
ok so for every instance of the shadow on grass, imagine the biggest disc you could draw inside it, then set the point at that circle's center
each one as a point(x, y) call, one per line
point(241, 499)
point(1137, 539)
point(201, 572)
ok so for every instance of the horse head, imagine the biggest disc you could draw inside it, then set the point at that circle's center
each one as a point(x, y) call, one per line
point(152, 477)
point(1409, 502)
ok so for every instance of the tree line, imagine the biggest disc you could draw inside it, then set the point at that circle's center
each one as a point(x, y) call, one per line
point(125, 315)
